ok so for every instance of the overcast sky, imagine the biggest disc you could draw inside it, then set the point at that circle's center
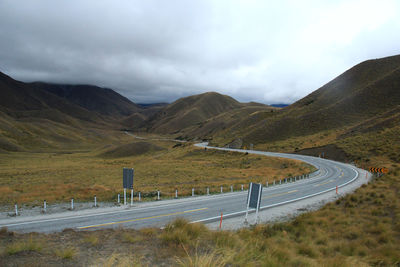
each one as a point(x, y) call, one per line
point(158, 51)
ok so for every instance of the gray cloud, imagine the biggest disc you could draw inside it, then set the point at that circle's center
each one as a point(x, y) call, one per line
point(157, 51)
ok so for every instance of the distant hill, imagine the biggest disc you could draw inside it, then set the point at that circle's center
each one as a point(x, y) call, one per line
point(20, 100)
point(42, 115)
point(279, 105)
point(189, 111)
point(101, 100)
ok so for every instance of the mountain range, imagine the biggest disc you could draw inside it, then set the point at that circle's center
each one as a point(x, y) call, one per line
point(364, 99)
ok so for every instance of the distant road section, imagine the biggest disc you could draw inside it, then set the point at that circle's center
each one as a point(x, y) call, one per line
point(330, 174)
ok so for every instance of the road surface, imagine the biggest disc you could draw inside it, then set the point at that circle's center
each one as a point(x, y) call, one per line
point(330, 174)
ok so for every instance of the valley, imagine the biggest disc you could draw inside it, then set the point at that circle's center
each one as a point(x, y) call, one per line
point(56, 145)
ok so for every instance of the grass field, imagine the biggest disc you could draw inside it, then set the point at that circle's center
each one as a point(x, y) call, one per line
point(29, 178)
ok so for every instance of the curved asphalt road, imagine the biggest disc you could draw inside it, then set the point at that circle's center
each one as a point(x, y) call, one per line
point(196, 209)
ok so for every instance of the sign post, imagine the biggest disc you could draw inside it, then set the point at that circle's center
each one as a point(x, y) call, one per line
point(127, 182)
point(253, 199)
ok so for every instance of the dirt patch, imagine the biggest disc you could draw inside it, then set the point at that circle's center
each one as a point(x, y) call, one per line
point(329, 151)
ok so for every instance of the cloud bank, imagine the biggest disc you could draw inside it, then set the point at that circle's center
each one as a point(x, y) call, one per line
point(158, 51)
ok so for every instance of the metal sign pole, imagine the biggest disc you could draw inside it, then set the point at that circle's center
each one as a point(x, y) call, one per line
point(258, 202)
point(124, 196)
point(248, 202)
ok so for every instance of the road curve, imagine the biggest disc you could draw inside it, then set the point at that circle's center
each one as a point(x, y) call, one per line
point(330, 174)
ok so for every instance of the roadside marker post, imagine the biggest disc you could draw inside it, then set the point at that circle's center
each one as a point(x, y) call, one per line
point(95, 201)
point(231, 188)
point(176, 193)
point(208, 191)
point(44, 206)
point(221, 190)
point(273, 183)
point(266, 184)
point(140, 197)
point(158, 194)
point(220, 222)
point(192, 192)
point(16, 209)
point(280, 181)
point(336, 190)
point(119, 199)
point(242, 187)
point(72, 203)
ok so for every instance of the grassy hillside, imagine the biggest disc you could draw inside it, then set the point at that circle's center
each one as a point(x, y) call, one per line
point(199, 116)
point(369, 90)
point(42, 117)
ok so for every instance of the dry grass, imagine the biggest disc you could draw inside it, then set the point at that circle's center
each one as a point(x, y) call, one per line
point(32, 177)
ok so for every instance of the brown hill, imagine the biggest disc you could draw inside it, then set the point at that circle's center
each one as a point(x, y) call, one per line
point(32, 117)
point(368, 90)
point(190, 111)
point(20, 100)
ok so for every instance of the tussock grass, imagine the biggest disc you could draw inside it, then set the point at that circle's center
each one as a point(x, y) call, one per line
point(67, 253)
point(24, 246)
point(91, 239)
